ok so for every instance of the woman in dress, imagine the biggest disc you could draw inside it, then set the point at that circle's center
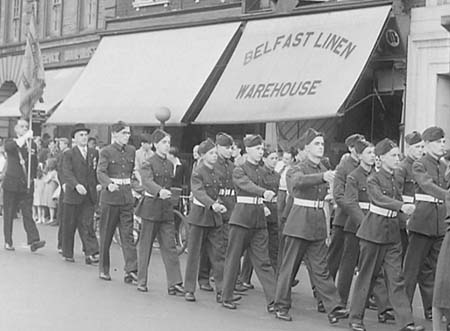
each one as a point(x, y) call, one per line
point(51, 184)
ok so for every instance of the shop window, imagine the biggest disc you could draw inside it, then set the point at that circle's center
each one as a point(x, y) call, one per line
point(55, 18)
point(88, 14)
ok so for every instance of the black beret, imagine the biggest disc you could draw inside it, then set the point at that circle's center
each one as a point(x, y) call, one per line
point(224, 139)
point(158, 135)
point(253, 140)
point(352, 139)
point(433, 133)
point(310, 135)
point(146, 138)
point(413, 138)
point(361, 145)
point(269, 150)
point(119, 126)
point(384, 146)
point(205, 146)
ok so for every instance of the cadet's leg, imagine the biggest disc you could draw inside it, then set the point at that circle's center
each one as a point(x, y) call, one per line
point(126, 236)
point(195, 250)
point(259, 256)
point(294, 249)
point(108, 222)
point(335, 250)
point(327, 291)
point(274, 242)
point(371, 257)
point(418, 248)
point(347, 265)
point(166, 238)
point(214, 248)
point(246, 269)
point(396, 284)
point(145, 245)
point(237, 243)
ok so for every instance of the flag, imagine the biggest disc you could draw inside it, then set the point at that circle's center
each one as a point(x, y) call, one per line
point(32, 79)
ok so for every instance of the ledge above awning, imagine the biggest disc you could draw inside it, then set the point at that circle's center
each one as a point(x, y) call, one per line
point(58, 83)
point(295, 67)
point(131, 76)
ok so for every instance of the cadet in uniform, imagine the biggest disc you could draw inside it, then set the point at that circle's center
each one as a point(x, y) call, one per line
point(414, 151)
point(356, 202)
point(224, 169)
point(248, 226)
point(271, 180)
point(156, 210)
point(205, 219)
point(347, 164)
point(380, 244)
point(114, 171)
point(305, 231)
point(426, 226)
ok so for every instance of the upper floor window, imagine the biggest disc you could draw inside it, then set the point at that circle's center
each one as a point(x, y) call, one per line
point(15, 20)
point(54, 18)
point(88, 14)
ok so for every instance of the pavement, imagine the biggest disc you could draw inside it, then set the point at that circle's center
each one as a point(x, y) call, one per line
point(41, 292)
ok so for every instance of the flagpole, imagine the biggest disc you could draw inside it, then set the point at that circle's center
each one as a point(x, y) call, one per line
point(29, 150)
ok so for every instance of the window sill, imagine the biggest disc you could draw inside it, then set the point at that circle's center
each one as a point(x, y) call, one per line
point(137, 4)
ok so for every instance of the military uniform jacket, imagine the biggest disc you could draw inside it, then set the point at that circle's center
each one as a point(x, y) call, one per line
point(224, 170)
point(78, 170)
point(384, 192)
point(156, 174)
point(16, 177)
point(346, 166)
point(271, 181)
point(205, 185)
point(248, 182)
point(116, 161)
point(428, 218)
point(305, 181)
point(407, 182)
point(355, 192)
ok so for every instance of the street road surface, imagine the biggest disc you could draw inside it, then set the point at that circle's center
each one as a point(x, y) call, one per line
point(41, 292)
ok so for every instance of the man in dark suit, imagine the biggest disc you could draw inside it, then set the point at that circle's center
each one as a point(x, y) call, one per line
point(80, 196)
point(16, 194)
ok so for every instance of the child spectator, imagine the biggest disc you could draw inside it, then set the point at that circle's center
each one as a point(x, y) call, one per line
point(50, 187)
point(38, 205)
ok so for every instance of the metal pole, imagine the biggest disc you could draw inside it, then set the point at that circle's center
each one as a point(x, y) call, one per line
point(29, 151)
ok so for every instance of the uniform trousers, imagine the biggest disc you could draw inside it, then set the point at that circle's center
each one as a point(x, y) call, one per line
point(247, 267)
point(206, 240)
point(295, 250)
point(205, 264)
point(405, 241)
point(420, 266)
point(12, 203)
point(165, 233)
point(79, 217)
point(112, 217)
point(373, 257)
point(347, 269)
point(335, 250)
point(255, 241)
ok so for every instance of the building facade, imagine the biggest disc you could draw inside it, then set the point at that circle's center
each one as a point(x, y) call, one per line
point(428, 83)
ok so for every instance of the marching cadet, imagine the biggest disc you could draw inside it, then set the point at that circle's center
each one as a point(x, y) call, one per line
point(426, 226)
point(248, 226)
point(305, 231)
point(156, 210)
point(380, 244)
point(348, 163)
point(414, 151)
point(224, 169)
point(271, 180)
point(114, 171)
point(356, 202)
point(205, 219)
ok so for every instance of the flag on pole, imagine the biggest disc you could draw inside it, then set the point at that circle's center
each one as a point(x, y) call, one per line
point(32, 80)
